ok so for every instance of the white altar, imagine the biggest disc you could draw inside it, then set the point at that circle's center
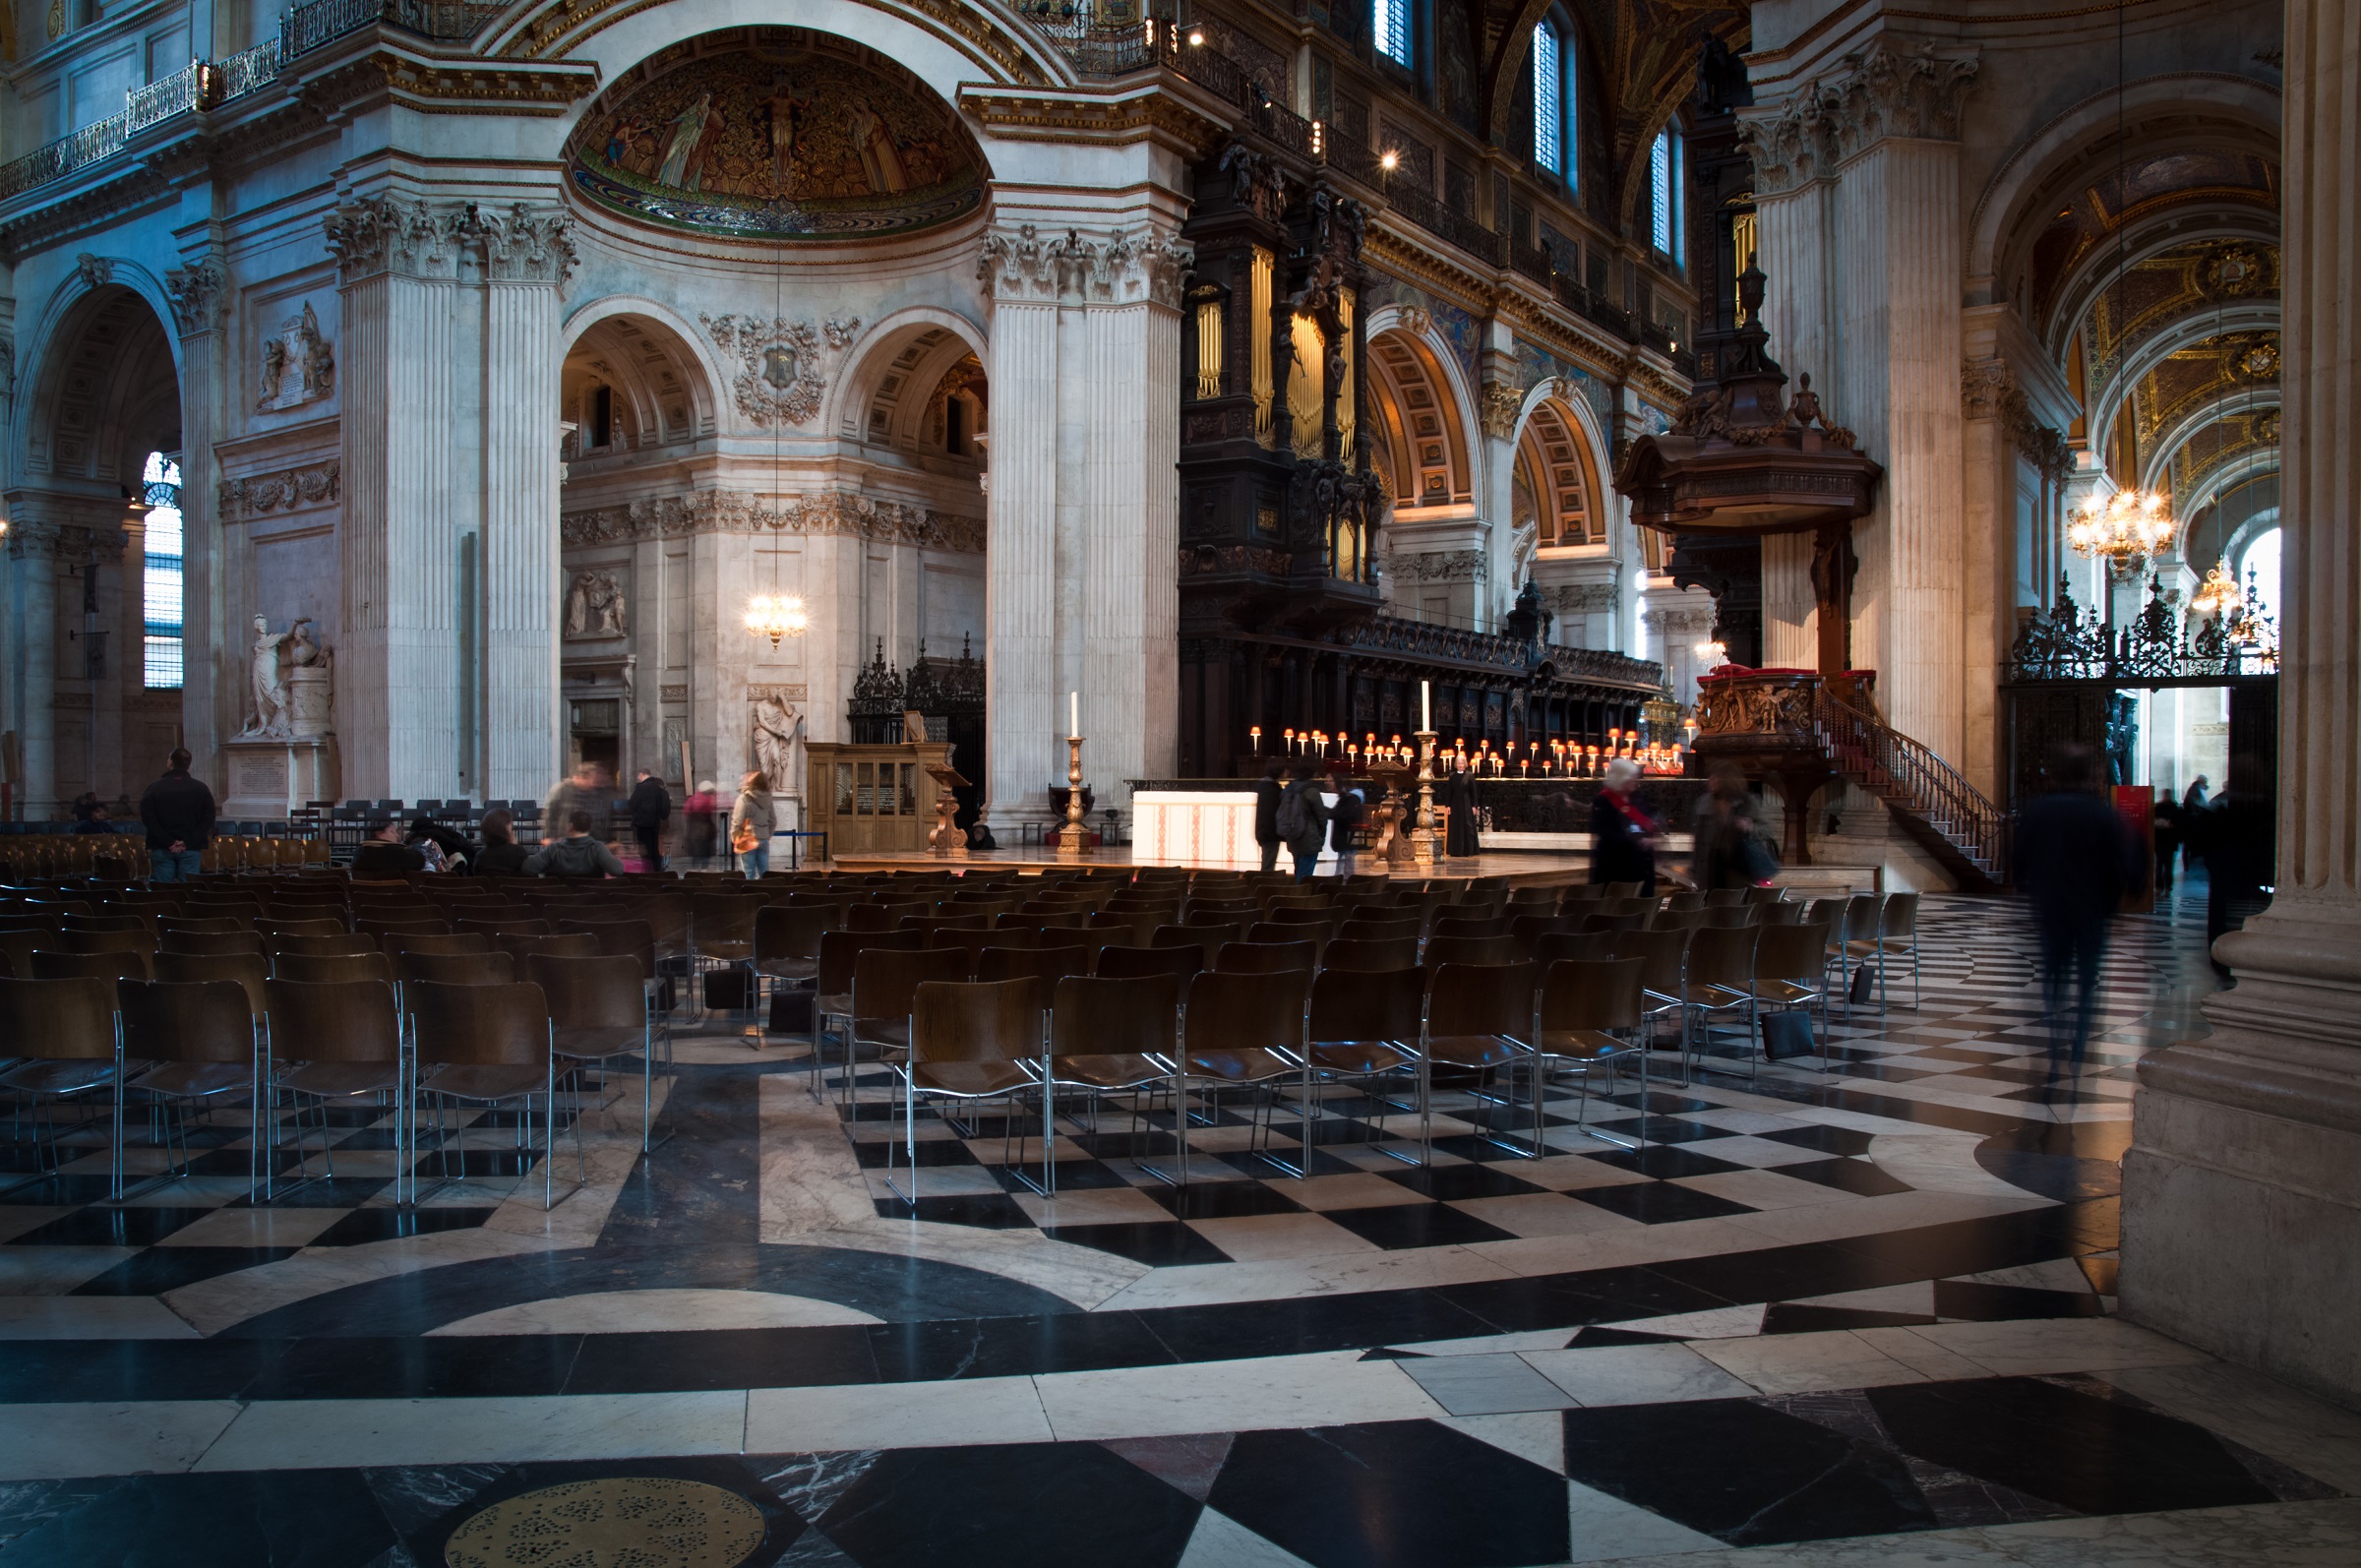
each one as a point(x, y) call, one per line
point(1194, 827)
point(269, 778)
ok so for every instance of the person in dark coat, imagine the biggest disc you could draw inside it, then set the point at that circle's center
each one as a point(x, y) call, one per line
point(1622, 836)
point(651, 809)
point(1728, 854)
point(2237, 838)
point(385, 857)
point(1458, 792)
point(1310, 820)
point(1345, 818)
point(501, 855)
point(1267, 790)
point(2075, 859)
point(178, 812)
point(2168, 838)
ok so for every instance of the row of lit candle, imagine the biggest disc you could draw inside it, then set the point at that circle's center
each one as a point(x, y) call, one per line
point(1564, 758)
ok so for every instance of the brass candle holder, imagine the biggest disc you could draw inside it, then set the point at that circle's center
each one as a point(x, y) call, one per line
point(1073, 839)
point(1422, 834)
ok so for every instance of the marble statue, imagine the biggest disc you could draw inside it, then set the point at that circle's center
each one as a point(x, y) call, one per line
point(779, 745)
point(288, 674)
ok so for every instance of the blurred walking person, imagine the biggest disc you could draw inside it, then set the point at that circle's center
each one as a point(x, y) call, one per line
point(1302, 820)
point(2075, 860)
point(700, 817)
point(752, 821)
point(585, 790)
point(651, 809)
point(1622, 836)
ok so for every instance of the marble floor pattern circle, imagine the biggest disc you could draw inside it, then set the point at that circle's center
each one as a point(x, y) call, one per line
point(616, 1522)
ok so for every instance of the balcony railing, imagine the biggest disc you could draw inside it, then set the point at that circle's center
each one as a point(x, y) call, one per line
point(306, 27)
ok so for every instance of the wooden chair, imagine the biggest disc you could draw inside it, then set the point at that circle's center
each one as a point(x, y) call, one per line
point(1501, 949)
point(1480, 1021)
point(206, 943)
point(453, 969)
point(66, 1031)
point(1109, 1035)
point(968, 1040)
point(1364, 1025)
point(247, 970)
point(1123, 963)
point(832, 984)
point(1588, 1013)
point(877, 1014)
point(198, 1041)
point(1719, 981)
point(489, 1046)
point(1791, 973)
point(330, 968)
point(599, 1012)
point(1267, 957)
point(1362, 955)
point(341, 1040)
point(109, 966)
point(1246, 1031)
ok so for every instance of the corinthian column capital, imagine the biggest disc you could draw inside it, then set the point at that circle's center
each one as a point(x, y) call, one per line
point(1890, 93)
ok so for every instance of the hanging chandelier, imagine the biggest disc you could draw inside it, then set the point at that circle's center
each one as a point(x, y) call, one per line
point(2123, 529)
point(2218, 593)
point(775, 615)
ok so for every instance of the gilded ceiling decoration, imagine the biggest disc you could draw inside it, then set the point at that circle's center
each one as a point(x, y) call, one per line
point(2171, 286)
point(2089, 219)
point(2226, 440)
point(2229, 365)
point(801, 136)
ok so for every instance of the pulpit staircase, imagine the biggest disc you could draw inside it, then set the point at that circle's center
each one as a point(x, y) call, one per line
point(1951, 818)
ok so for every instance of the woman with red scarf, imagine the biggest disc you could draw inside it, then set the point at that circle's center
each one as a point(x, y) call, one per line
point(1622, 836)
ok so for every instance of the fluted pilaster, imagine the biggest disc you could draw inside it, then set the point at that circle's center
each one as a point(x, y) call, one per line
point(208, 707)
point(1020, 575)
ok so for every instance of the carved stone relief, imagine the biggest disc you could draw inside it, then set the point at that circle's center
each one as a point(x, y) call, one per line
point(830, 514)
point(198, 293)
point(781, 378)
point(1880, 93)
point(596, 606)
point(1018, 264)
point(422, 239)
point(299, 365)
point(1440, 565)
point(287, 490)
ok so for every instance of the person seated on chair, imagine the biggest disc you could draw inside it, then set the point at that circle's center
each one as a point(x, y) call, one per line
point(385, 856)
point(578, 854)
point(501, 855)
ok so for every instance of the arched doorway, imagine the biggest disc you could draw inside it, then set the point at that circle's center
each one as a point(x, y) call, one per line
point(100, 411)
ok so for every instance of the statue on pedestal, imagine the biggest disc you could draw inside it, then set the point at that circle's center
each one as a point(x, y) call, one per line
point(779, 745)
point(281, 662)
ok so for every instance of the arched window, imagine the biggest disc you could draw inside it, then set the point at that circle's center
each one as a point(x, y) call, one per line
point(1390, 20)
point(1548, 99)
point(2262, 560)
point(160, 581)
point(1663, 189)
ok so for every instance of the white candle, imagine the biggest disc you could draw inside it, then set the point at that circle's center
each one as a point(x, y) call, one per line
point(1073, 712)
point(1426, 718)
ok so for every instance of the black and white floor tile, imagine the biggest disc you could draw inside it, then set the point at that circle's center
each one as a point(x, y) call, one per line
point(1859, 1311)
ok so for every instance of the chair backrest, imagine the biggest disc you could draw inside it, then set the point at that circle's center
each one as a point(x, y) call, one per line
point(110, 967)
point(619, 938)
point(1784, 913)
point(188, 1020)
point(989, 1020)
point(334, 1020)
point(568, 945)
point(1105, 1015)
point(1899, 917)
point(720, 918)
point(59, 1020)
point(1121, 963)
point(280, 928)
point(328, 969)
point(1662, 956)
point(839, 950)
point(1723, 955)
point(116, 920)
point(1238, 1012)
point(1138, 926)
point(136, 940)
point(1622, 889)
point(1582, 893)
point(1481, 998)
point(1369, 1004)
point(1676, 919)
point(323, 943)
point(1049, 965)
point(247, 970)
point(503, 1025)
point(206, 924)
point(383, 929)
point(1322, 913)
point(1766, 895)
point(1680, 903)
point(1593, 994)
point(1055, 920)
point(441, 944)
point(205, 943)
point(455, 969)
point(1449, 926)
point(1266, 957)
point(1362, 955)
point(1208, 934)
point(588, 991)
point(1829, 912)
point(1729, 916)
point(1552, 946)
point(493, 927)
point(1473, 950)
point(884, 979)
point(1861, 912)
point(935, 923)
point(1797, 953)
point(1630, 904)
point(1366, 926)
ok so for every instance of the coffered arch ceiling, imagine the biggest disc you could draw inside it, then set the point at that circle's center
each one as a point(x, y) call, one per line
point(106, 394)
point(2146, 342)
point(1555, 490)
point(1418, 423)
point(659, 395)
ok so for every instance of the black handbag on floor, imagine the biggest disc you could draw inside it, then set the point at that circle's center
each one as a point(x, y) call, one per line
point(727, 990)
point(791, 1011)
point(1788, 1034)
point(1863, 989)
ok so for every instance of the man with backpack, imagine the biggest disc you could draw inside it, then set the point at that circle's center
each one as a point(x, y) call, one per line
point(1301, 820)
point(1345, 818)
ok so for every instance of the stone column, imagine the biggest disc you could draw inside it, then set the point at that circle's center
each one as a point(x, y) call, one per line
point(210, 680)
point(2242, 1190)
point(33, 551)
point(1988, 499)
point(1130, 603)
point(1020, 272)
point(398, 672)
point(527, 253)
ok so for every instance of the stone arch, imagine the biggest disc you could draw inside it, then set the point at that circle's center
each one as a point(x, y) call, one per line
point(882, 396)
point(1422, 411)
point(105, 361)
point(668, 386)
point(1558, 468)
point(2072, 144)
point(989, 43)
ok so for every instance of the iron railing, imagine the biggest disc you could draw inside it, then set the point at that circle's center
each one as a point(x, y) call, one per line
point(245, 73)
point(1900, 772)
point(306, 27)
point(1388, 633)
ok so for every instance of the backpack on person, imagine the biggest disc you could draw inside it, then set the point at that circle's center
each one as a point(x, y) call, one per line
point(1291, 820)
